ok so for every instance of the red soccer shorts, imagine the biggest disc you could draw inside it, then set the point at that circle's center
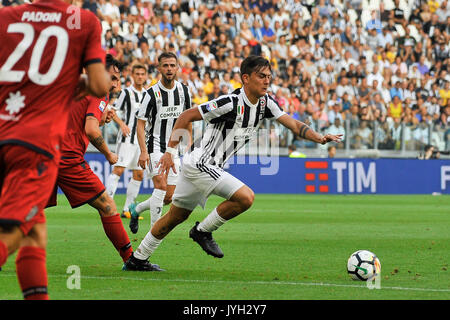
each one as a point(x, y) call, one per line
point(78, 182)
point(26, 182)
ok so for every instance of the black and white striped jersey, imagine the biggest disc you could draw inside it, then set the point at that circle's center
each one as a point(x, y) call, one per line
point(128, 104)
point(232, 120)
point(160, 108)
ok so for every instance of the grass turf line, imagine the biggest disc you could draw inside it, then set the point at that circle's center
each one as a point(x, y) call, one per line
point(285, 247)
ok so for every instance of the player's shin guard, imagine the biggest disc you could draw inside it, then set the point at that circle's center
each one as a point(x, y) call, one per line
point(32, 273)
point(212, 222)
point(111, 185)
point(148, 245)
point(3, 253)
point(156, 204)
point(132, 193)
point(117, 235)
point(142, 206)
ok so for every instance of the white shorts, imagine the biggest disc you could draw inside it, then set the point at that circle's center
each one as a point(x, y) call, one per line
point(128, 155)
point(196, 184)
point(153, 170)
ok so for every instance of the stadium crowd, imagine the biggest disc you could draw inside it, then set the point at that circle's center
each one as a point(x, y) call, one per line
point(365, 68)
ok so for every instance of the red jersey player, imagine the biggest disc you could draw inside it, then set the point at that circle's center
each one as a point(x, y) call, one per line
point(49, 42)
point(76, 179)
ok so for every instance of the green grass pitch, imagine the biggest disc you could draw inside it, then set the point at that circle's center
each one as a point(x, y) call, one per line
point(286, 247)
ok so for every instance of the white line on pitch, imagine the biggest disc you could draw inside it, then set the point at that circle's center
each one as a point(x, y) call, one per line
point(245, 282)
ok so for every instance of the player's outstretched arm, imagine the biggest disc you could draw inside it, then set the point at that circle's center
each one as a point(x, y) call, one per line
point(304, 131)
point(182, 128)
point(95, 136)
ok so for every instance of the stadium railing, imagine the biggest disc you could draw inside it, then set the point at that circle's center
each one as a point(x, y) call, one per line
point(379, 140)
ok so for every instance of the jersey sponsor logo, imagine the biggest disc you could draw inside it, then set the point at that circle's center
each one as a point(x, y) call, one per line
point(244, 133)
point(15, 102)
point(171, 112)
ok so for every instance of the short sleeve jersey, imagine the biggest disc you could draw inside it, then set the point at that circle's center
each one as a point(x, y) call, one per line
point(48, 44)
point(232, 121)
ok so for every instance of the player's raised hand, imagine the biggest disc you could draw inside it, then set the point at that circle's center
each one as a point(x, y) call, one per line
point(165, 163)
point(144, 160)
point(331, 138)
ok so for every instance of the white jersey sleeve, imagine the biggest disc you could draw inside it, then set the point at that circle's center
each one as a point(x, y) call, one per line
point(147, 104)
point(273, 109)
point(212, 111)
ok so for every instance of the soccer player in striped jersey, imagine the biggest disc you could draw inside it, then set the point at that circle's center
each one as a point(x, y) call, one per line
point(231, 121)
point(127, 149)
point(161, 106)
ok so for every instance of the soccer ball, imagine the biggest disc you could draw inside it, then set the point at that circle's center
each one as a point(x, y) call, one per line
point(363, 265)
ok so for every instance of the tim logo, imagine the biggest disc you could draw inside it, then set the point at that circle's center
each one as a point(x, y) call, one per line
point(315, 177)
point(340, 177)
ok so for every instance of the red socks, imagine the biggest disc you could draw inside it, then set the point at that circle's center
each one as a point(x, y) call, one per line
point(3, 253)
point(32, 273)
point(117, 235)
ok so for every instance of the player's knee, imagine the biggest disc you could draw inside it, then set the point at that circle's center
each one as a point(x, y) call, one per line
point(160, 182)
point(138, 175)
point(118, 170)
point(246, 200)
point(37, 237)
point(11, 236)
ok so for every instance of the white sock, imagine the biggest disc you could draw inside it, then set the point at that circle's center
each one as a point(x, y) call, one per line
point(132, 193)
point(111, 185)
point(147, 247)
point(156, 205)
point(212, 222)
point(142, 206)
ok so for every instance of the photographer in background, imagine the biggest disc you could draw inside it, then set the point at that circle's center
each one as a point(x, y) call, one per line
point(430, 152)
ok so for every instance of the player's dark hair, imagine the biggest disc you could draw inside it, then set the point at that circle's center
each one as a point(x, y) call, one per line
point(254, 64)
point(138, 66)
point(110, 61)
point(166, 55)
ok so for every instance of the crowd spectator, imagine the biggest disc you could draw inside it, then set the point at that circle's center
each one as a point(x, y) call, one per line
point(331, 59)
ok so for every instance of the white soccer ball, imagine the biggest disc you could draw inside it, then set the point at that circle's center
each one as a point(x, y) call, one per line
point(363, 265)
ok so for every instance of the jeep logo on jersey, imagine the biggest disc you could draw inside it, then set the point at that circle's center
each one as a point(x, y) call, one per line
point(244, 133)
point(171, 112)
